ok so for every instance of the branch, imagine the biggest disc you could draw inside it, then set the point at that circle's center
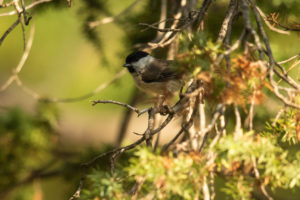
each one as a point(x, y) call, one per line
point(273, 18)
point(266, 20)
point(78, 191)
point(26, 7)
point(249, 27)
point(219, 112)
point(112, 19)
point(163, 15)
point(204, 7)
point(147, 134)
point(257, 177)
point(122, 104)
point(289, 59)
point(91, 94)
point(26, 20)
point(21, 63)
point(9, 30)
point(161, 29)
point(126, 118)
point(237, 130)
point(227, 22)
point(264, 35)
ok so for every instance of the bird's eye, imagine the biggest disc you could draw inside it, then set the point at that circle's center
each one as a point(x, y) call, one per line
point(131, 69)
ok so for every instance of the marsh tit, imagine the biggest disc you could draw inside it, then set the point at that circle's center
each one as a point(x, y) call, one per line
point(153, 75)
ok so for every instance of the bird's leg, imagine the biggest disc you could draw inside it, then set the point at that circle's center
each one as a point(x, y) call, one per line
point(181, 95)
point(162, 109)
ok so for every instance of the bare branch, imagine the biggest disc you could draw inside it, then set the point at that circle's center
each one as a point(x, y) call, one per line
point(101, 87)
point(205, 189)
point(268, 23)
point(184, 127)
point(9, 30)
point(227, 22)
point(204, 7)
point(251, 112)
point(112, 19)
point(273, 18)
point(126, 118)
point(26, 20)
point(161, 29)
point(257, 176)
point(237, 130)
point(148, 137)
point(78, 191)
point(121, 104)
point(26, 89)
point(264, 35)
point(249, 27)
point(289, 59)
point(21, 63)
point(26, 7)
point(212, 185)
point(163, 16)
point(282, 110)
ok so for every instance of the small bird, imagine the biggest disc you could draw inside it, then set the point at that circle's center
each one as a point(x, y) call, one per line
point(153, 75)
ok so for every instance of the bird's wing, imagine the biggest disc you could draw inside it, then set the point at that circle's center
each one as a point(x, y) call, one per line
point(158, 71)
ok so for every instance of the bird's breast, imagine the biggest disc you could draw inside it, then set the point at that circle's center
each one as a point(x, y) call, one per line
point(163, 88)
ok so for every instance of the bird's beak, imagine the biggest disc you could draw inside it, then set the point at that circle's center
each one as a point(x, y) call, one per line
point(126, 65)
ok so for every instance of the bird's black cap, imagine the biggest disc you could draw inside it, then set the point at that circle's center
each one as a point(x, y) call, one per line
point(135, 56)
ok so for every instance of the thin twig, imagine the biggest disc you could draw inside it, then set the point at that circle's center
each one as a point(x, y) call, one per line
point(126, 118)
point(272, 62)
point(9, 30)
point(251, 112)
point(257, 176)
point(121, 104)
point(26, 20)
point(282, 110)
point(289, 59)
point(297, 62)
point(161, 29)
point(101, 87)
point(218, 113)
point(26, 7)
point(237, 130)
point(112, 19)
point(22, 61)
point(186, 126)
point(273, 18)
point(273, 28)
point(78, 191)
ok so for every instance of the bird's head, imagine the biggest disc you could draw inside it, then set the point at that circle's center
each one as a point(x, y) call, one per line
point(136, 61)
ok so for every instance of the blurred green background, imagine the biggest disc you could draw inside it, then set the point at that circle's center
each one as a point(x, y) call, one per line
point(64, 63)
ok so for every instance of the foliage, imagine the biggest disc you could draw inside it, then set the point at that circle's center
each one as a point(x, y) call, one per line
point(151, 175)
point(286, 128)
point(237, 156)
point(26, 142)
point(180, 176)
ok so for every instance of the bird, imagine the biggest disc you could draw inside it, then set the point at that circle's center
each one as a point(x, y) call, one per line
point(152, 75)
